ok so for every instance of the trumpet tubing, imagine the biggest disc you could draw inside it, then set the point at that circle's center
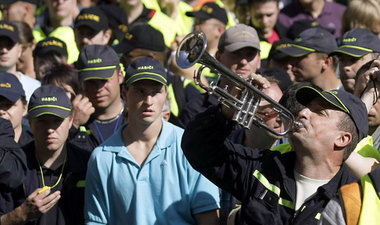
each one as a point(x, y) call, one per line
point(192, 50)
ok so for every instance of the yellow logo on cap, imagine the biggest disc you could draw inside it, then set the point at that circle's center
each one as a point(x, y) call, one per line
point(6, 85)
point(349, 40)
point(52, 42)
point(89, 17)
point(298, 39)
point(49, 99)
point(128, 36)
point(282, 46)
point(123, 28)
point(7, 27)
point(93, 61)
point(314, 24)
point(145, 67)
point(207, 9)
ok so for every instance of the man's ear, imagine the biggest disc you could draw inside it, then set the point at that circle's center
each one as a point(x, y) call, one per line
point(19, 49)
point(107, 36)
point(327, 62)
point(221, 29)
point(124, 92)
point(120, 76)
point(343, 139)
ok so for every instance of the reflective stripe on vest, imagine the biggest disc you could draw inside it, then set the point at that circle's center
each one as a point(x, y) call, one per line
point(273, 188)
point(370, 212)
point(165, 25)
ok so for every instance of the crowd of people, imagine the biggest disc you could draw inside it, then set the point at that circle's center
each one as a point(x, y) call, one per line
point(100, 125)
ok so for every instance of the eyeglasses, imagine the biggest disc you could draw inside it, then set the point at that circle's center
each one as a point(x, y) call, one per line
point(267, 114)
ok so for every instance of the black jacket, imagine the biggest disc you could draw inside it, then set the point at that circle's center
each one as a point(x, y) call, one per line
point(70, 208)
point(262, 180)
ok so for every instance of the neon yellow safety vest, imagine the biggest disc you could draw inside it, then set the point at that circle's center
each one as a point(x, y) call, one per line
point(165, 25)
point(64, 33)
point(264, 49)
point(184, 23)
point(152, 4)
point(370, 211)
point(174, 107)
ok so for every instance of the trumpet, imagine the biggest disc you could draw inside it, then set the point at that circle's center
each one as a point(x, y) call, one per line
point(192, 49)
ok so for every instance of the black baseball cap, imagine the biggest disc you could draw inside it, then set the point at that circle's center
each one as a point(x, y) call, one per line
point(141, 36)
point(49, 99)
point(275, 52)
point(311, 40)
point(300, 25)
point(341, 99)
point(96, 62)
point(9, 30)
point(10, 87)
point(93, 18)
point(117, 19)
point(358, 42)
point(50, 44)
point(210, 10)
point(145, 68)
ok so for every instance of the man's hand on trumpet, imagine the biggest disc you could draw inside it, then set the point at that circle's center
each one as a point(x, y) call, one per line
point(255, 79)
point(368, 84)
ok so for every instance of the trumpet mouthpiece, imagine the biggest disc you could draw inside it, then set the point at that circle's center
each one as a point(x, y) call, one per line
point(296, 125)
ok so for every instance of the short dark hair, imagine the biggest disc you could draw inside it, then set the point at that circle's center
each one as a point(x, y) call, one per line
point(63, 74)
point(348, 125)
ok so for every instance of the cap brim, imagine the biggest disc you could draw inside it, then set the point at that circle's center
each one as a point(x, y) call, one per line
point(96, 74)
point(296, 50)
point(85, 23)
point(306, 94)
point(239, 45)
point(14, 40)
point(146, 76)
point(353, 51)
point(58, 111)
point(198, 14)
point(10, 95)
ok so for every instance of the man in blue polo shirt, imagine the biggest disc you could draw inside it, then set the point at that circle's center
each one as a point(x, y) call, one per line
point(140, 175)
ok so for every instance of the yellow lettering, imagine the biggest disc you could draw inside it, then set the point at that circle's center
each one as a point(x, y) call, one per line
point(7, 27)
point(6, 85)
point(145, 68)
point(49, 99)
point(52, 42)
point(89, 17)
point(93, 61)
point(349, 40)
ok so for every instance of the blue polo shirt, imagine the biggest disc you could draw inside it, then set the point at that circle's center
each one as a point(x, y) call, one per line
point(164, 190)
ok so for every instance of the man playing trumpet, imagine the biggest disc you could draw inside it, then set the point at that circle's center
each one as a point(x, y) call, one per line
point(290, 188)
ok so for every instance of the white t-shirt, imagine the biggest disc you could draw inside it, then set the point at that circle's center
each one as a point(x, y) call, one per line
point(29, 84)
point(306, 187)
